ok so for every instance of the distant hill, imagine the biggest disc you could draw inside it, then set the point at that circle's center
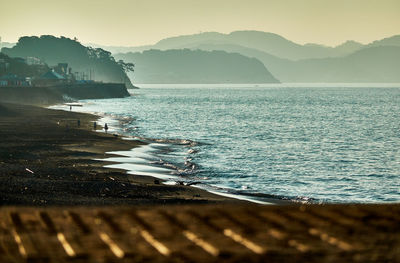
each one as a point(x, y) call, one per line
point(292, 62)
point(119, 49)
point(389, 41)
point(6, 44)
point(53, 50)
point(273, 44)
point(378, 64)
point(279, 67)
point(371, 64)
point(196, 66)
point(349, 46)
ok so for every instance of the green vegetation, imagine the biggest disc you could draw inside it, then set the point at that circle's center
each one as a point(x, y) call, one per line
point(100, 64)
point(196, 66)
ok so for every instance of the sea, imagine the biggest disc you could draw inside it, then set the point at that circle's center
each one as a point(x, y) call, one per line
point(313, 143)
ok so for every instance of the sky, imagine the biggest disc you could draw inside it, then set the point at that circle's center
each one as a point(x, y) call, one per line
point(143, 22)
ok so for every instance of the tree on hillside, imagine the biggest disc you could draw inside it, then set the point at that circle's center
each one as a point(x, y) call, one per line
point(54, 50)
point(127, 67)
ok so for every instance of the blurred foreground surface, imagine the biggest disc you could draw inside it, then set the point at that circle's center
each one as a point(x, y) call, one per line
point(212, 233)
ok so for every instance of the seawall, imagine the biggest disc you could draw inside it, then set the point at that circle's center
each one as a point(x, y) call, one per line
point(30, 95)
point(62, 93)
point(92, 90)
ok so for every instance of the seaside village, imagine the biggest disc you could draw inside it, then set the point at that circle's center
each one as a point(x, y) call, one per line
point(53, 76)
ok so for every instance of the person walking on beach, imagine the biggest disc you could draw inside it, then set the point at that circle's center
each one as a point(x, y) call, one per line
point(106, 127)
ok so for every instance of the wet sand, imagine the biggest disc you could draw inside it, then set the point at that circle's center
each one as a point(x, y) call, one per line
point(46, 159)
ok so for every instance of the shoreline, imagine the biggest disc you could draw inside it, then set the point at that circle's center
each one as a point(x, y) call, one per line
point(155, 171)
point(44, 152)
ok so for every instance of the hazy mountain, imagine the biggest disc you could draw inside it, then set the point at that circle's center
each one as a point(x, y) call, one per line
point(373, 64)
point(349, 46)
point(267, 42)
point(277, 66)
point(190, 40)
point(189, 66)
point(280, 46)
point(53, 50)
point(6, 44)
point(389, 41)
point(263, 41)
point(291, 62)
point(120, 49)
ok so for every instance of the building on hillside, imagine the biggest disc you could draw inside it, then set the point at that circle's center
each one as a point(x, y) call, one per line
point(50, 78)
point(62, 69)
point(34, 61)
point(4, 64)
point(20, 60)
point(12, 80)
point(65, 71)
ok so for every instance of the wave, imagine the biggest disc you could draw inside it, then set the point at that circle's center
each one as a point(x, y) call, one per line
point(145, 160)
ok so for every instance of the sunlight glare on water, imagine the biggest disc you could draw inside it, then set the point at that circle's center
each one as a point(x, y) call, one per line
point(332, 144)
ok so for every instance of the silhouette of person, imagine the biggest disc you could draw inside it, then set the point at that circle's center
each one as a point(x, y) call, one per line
point(106, 127)
point(94, 125)
point(70, 108)
point(79, 123)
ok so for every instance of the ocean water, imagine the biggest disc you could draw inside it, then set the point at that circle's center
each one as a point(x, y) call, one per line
point(317, 144)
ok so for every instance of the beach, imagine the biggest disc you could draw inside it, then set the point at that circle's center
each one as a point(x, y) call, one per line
point(47, 159)
point(59, 204)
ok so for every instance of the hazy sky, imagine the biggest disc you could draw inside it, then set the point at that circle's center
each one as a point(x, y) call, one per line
point(140, 22)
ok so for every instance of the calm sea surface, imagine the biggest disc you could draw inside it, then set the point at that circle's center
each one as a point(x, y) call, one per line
point(324, 144)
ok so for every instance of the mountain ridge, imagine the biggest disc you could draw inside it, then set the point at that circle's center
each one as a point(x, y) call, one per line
point(247, 38)
point(196, 66)
point(325, 64)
